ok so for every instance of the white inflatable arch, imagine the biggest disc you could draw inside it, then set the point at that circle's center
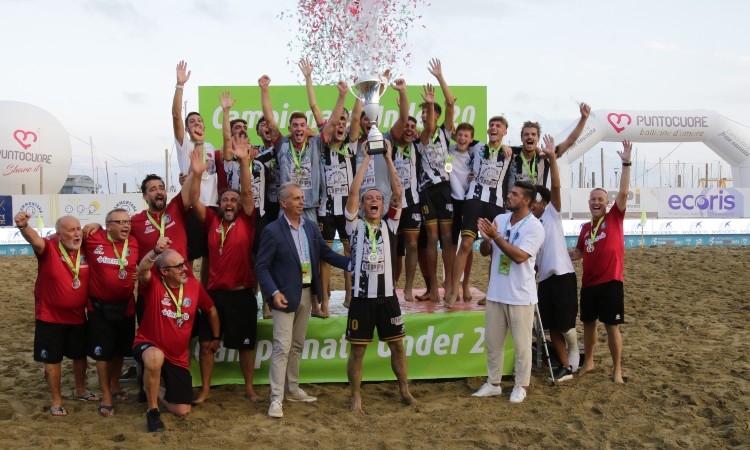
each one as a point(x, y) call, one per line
point(725, 137)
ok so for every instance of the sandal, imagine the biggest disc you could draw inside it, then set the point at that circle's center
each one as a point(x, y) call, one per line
point(109, 408)
point(58, 411)
point(86, 397)
point(120, 396)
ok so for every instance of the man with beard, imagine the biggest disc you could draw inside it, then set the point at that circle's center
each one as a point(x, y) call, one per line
point(601, 244)
point(112, 258)
point(231, 278)
point(513, 239)
point(59, 305)
point(374, 302)
point(171, 299)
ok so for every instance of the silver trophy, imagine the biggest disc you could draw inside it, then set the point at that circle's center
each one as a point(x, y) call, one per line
point(368, 92)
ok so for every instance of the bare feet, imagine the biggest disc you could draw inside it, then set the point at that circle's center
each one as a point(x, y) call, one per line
point(467, 294)
point(408, 295)
point(253, 396)
point(618, 378)
point(324, 309)
point(347, 302)
point(356, 406)
point(482, 301)
point(202, 396)
point(586, 367)
point(267, 311)
point(450, 300)
point(408, 399)
point(422, 298)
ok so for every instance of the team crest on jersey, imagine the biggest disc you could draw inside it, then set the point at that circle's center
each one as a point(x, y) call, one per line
point(185, 317)
point(99, 250)
point(166, 301)
point(187, 302)
point(127, 252)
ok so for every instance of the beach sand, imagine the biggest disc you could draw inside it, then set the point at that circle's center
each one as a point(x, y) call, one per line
point(685, 356)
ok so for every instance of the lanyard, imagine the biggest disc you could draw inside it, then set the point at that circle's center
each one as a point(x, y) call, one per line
point(516, 234)
point(343, 150)
point(595, 230)
point(448, 158)
point(74, 268)
point(177, 301)
point(120, 257)
point(530, 168)
point(297, 157)
point(373, 238)
point(494, 151)
point(224, 233)
point(435, 137)
point(403, 151)
point(153, 222)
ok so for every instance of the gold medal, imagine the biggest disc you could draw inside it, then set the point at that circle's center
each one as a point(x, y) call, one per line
point(122, 274)
point(76, 283)
point(590, 248)
point(372, 257)
point(448, 167)
point(205, 175)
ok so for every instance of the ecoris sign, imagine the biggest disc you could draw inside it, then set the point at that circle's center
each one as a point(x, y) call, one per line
point(711, 202)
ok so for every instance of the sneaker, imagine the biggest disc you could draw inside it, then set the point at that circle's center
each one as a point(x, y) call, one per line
point(276, 410)
point(488, 390)
point(563, 373)
point(300, 396)
point(153, 420)
point(518, 394)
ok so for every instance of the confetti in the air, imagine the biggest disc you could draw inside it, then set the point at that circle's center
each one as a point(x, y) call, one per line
point(347, 38)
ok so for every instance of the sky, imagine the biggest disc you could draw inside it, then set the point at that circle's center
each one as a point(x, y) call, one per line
point(106, 68)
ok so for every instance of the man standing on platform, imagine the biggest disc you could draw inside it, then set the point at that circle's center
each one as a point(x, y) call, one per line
point(601, 244)
point(513, 239)
point(59, 305)
point(112, 258)
point(288, 270)
point(374, 302)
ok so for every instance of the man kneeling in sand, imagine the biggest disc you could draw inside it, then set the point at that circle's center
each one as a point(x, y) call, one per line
point(161, 342)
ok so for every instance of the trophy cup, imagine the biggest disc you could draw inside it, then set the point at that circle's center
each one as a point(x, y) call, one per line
point(368, 92)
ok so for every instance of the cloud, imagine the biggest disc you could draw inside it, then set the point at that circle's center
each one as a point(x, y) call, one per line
point(733, 59)
point(119, 11)
point(662, 46)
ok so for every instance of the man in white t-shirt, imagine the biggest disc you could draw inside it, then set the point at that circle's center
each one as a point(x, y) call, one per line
point(558, 294)
point(513, 239)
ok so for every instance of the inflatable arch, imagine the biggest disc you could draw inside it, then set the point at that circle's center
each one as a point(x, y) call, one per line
point(725, 137)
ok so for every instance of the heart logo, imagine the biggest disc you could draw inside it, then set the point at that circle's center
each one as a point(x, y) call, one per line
point(22, 137)
point(619, 118)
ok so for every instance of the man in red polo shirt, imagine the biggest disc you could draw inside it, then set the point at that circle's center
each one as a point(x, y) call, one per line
point(59, 302)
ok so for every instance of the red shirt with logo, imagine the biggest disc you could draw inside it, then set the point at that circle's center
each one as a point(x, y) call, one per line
point(55, 299)
point(160, 325)
point(233, 265)
point(174, 227)
point(104, 266)
point(607, 261)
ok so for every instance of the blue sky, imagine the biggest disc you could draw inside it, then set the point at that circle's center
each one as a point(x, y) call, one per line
point(105, 68)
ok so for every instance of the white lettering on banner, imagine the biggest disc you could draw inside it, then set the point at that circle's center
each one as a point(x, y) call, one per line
point(479, 346)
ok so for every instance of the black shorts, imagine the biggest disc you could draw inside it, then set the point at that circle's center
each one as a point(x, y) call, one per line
point(458, 213)
point(108, 338)
point(605, 302)
point(436, 203)
point(52, 341)
point(411, 219)
point(177, 381)
point(366, 314)
point(197, 237)
point(238, 317)
point(558, 302)
point(260, 223)
point(329, 225)
point(475, 209)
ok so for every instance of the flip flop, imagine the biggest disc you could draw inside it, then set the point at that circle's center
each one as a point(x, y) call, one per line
point(58, 411)
point(109, 408)
point(87, 397)
point(120, 396)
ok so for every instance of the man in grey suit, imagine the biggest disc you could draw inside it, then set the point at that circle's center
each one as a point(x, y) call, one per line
point(288, 270)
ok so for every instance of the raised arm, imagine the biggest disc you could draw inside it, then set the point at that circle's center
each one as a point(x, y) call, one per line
point(29, 233)
point(338, 111)
point(622, 194)
point(576, 133)
point(429, 126)
point(436, 69)
point(355, 128)
point(265, 100)
point(396, 189)
point(403, 108)
point(148, 260)
point(352, 202)
point(554, 172)
point(226, 131)
point(306, 67)
point(245, 154)
point(191, 189)
point(183, 75)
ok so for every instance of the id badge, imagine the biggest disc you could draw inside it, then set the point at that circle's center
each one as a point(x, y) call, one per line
point(306, 274)
point(504, 266)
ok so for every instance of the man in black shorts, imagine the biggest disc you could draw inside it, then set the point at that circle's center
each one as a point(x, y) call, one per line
point(374, 302)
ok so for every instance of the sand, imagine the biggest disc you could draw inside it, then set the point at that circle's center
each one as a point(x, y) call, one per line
point(685, 357)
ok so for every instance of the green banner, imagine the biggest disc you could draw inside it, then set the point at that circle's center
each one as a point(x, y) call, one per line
point(449, 345)
point(471, 106)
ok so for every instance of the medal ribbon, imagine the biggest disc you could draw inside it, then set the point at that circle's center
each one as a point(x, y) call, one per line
point(74, 268)
point(403, 151)
point(224, 233)
point(373, 238)
point(494, 151)
point(120, 257)
point(530, 167)
point(153, 222)
point(592, 238)
point(297, 157)
point(343, 150)
point(177, 301)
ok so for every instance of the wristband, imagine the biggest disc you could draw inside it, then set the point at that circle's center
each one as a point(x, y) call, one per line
point(149, 258)
point(626, 164)
point(21, 227)
point(216, 338)
point(177, 86)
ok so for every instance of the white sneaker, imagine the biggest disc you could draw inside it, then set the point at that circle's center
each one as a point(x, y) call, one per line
point(488, 390)
point(300, 396)
point(276, 410)
point(518, 394)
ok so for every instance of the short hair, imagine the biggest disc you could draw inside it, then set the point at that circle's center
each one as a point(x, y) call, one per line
point(192, 113)
point(161, 258)
point(529, 190)
point(412, 119)
point(257, 125)
point(116, 210)
point(224, 191)
point(499, 119)
point(606, 194)
point(530, 124)
point(59, 221)
point(544, 193)
point(232, 122)
point(438, 109)
point(362, 196)
point(283, 194)
point(297, 115)
point(465, 126)
point(149, 177)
